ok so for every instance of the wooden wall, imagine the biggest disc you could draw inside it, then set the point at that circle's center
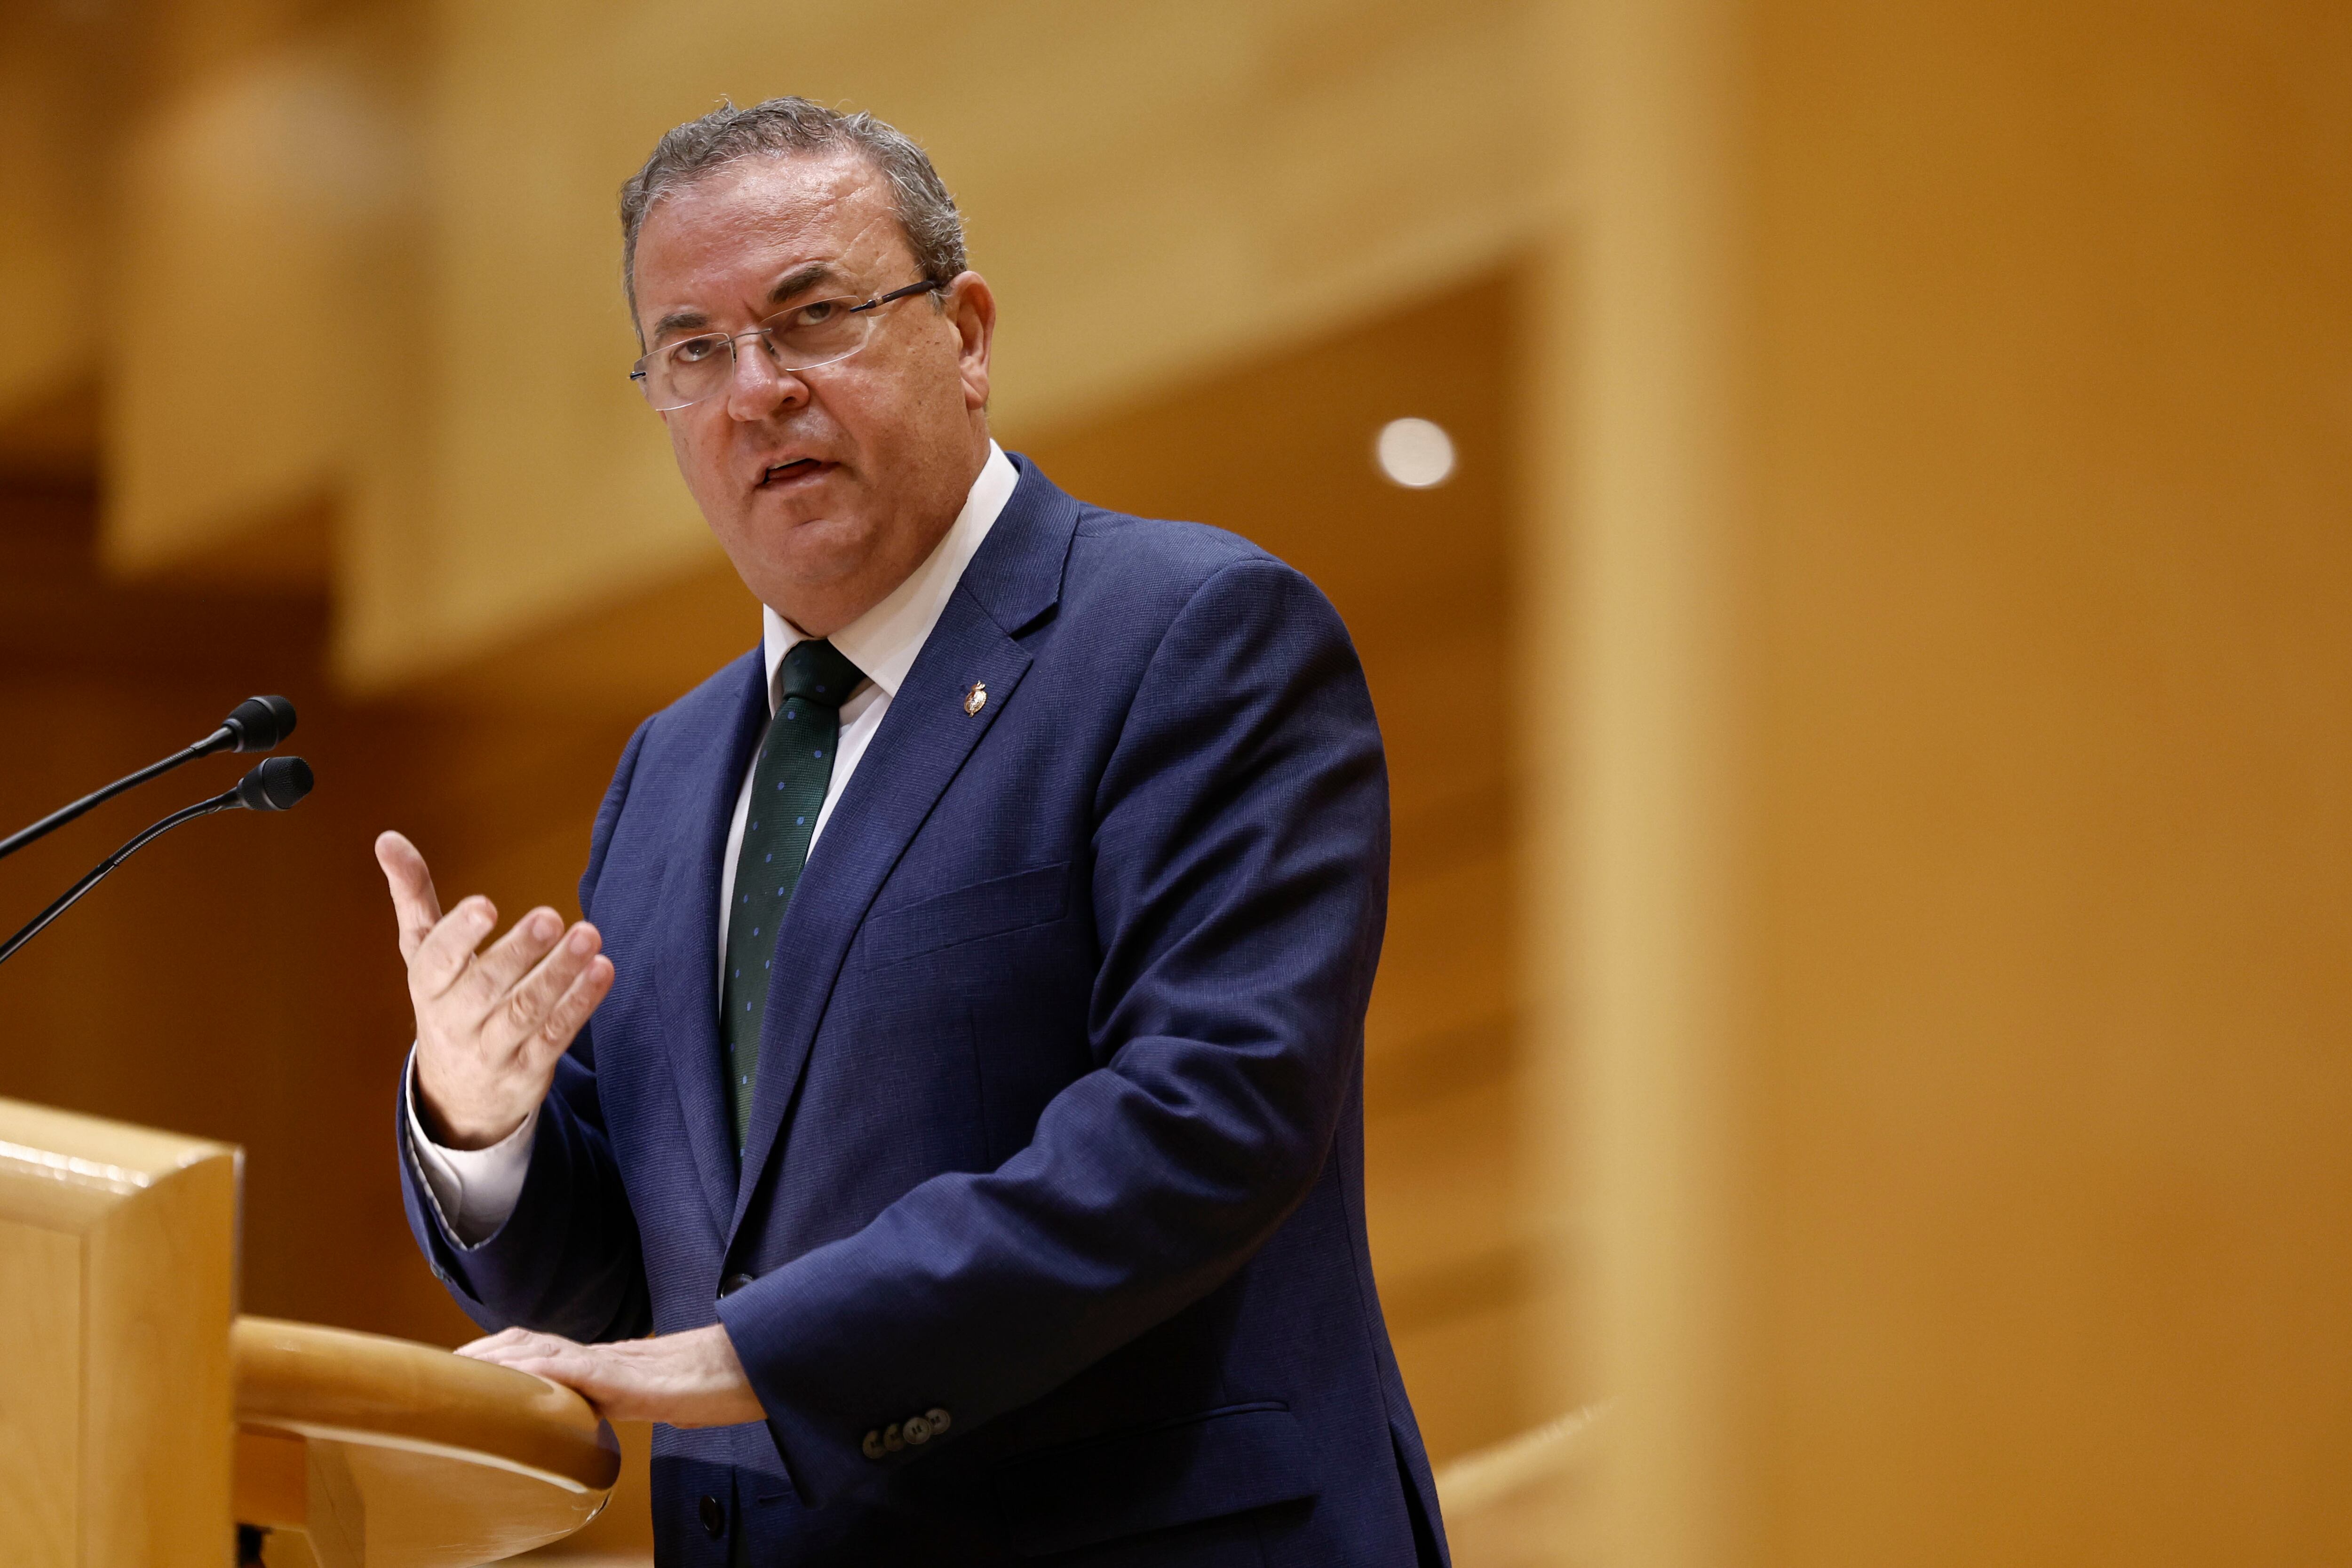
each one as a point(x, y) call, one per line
point(2057, 319)
point(1954, 585)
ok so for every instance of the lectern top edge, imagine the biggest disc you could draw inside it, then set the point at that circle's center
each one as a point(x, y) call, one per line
point(132, 1156)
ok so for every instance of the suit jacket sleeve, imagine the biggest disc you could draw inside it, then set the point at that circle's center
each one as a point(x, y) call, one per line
point(1239, 888)
point(566, 1260)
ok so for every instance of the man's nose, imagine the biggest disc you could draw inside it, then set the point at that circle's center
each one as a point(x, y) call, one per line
point(757, 389)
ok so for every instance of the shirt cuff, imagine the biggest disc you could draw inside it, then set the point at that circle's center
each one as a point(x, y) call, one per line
point(473, 1190)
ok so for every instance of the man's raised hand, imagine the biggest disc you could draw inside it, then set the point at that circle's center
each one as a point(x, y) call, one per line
point(491, 1024)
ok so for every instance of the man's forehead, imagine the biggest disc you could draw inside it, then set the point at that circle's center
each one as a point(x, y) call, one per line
point(786, 183)
point(762, 219)
point(767, 202)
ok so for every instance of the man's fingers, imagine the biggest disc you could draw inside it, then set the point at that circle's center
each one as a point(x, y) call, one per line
point(589, 1371)
point(510, 1343)
point(438, 948)
point(511, 957)
point(531, 1011)
point(558, 1360)
point(414, 904)
point(571, 1010)
point(441, 958)
point(692, 1379)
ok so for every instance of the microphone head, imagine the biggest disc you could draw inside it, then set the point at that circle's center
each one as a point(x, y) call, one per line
point(260, 723)
point(275, 786)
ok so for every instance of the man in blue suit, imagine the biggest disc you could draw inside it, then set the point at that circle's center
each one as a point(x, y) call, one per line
point(965, 1156)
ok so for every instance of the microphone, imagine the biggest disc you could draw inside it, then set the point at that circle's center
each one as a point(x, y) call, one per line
point(277, 785)
point(256, 724)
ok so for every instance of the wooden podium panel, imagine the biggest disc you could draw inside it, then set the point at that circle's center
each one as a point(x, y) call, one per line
point(138, 1427)
point(118, 1250)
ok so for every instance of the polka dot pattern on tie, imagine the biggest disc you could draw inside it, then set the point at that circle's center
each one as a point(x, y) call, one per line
point(795, 765)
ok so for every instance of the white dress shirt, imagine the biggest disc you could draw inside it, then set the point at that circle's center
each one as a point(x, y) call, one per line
point(476, 1190)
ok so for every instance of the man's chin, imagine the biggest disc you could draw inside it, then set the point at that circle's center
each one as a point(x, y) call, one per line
point(806, 527)
point(777, 552)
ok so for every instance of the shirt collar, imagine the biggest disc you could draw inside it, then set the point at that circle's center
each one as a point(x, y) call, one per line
point(884, 640)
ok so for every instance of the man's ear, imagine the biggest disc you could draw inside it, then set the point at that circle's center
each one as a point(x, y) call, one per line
point(971, 307)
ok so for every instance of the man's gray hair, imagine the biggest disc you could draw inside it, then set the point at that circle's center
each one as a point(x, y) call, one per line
point(786, 126)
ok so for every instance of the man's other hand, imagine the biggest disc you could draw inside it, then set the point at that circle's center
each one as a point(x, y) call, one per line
point(491, 1024)
point(689, 1379)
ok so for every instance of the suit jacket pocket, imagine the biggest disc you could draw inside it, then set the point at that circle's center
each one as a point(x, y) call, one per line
point(967, 913)
point(1177, 1472)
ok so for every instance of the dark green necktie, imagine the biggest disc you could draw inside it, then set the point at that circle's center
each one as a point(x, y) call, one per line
point(787, 791)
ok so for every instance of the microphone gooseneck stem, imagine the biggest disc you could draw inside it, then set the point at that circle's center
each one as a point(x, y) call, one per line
point(217, 740)
point(220, 802)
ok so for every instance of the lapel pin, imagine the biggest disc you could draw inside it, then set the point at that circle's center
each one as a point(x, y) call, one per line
point(977, 698)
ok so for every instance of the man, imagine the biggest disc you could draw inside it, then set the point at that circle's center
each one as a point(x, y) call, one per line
point(966, 1153)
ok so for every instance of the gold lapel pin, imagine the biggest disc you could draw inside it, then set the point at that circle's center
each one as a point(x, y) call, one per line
point(977, 698)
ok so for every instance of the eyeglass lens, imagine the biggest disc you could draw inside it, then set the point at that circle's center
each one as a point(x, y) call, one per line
point(800, 338)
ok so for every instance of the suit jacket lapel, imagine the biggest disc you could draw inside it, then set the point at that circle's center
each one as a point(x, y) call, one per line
point(922, 744)
point(686, 963)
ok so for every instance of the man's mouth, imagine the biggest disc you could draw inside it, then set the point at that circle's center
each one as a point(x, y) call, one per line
point(799, 470)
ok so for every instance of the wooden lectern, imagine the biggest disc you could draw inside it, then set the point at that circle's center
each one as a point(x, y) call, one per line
point(141, 1421)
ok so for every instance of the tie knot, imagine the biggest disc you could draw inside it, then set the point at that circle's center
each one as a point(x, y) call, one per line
point(818, 673)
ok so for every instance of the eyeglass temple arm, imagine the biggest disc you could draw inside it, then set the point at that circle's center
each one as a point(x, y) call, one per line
point(926, 286)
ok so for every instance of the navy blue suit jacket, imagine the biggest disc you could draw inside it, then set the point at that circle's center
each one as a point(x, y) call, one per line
point(1058, 1122)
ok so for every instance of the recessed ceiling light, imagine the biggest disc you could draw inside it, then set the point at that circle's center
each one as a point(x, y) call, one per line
point(1414, 453)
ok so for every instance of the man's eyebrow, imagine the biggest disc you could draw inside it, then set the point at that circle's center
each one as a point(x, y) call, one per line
point(800, 277)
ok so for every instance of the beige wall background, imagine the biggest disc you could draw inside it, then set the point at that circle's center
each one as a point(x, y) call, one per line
point(1865, 1021)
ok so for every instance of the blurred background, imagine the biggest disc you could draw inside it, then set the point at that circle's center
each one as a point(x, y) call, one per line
point(1860, 1073)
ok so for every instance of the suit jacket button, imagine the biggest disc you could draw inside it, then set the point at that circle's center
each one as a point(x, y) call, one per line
point(732, 1283)
point(938, 1419)
point(872, 1446)
point(919, 1431)
point(891, 1439)
point(714, 1517)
